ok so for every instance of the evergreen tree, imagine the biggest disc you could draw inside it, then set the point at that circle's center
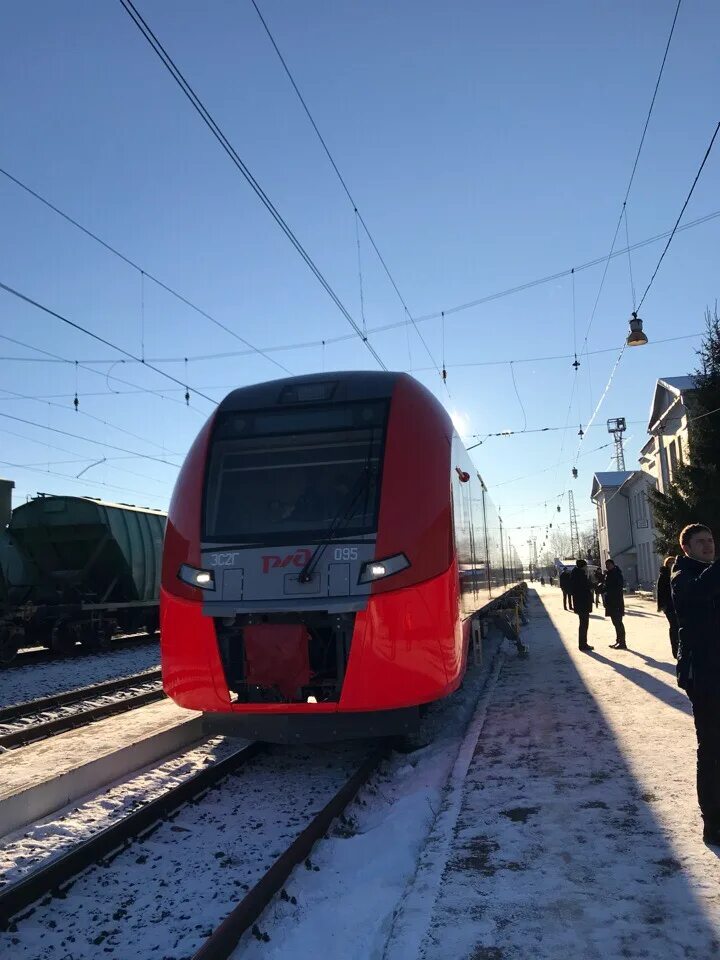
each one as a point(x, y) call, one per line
point(694, 494)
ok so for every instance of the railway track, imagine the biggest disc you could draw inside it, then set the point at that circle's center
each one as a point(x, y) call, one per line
point(42, 655)
point(24, 723)
point(18, 901)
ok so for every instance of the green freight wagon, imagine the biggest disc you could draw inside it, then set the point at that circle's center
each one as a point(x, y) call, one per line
point(98, 567)
point(18, 580)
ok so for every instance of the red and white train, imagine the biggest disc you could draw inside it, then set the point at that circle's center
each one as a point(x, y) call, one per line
point(327, 544)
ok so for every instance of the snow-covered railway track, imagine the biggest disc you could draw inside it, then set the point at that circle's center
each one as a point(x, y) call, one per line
point(56, 874)
point(24, 723)
point(38, 655)
point(199, 874)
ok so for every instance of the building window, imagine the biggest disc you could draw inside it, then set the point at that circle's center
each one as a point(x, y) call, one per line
point(673, 460)
point(679, 450)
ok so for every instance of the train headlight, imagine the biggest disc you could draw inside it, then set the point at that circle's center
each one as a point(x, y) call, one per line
point(195, 577)
point(379, 569)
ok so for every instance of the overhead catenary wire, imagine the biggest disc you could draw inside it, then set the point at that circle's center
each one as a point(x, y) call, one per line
point(630, 269)
point(49, 357)
point(230, 386)
point(595, 412)
point(609, 257)
point(144, 273)
point(549, 278)
point(372, 331)
point(677, 222)
point(512, 374)
point(99, 443)
point(654, 274)
point(345, 187)
point(71, 479)
point(95, 336)
point(528, 476)
point(227, 146)
point(634, 169)
point(512, 433)
point(224, 356)
point(78, 459)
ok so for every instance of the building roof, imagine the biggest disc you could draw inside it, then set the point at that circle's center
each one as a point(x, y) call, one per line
point(609, 478)
point(675, 387)
point(678, 384)
point(637, 476)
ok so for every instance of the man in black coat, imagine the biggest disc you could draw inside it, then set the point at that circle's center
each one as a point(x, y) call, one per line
point(582, 601)
point(565, 587)
point(665, 603)
point(695, 585)
point(615, 602)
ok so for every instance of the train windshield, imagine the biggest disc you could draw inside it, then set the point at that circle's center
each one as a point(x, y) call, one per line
point(289, 475)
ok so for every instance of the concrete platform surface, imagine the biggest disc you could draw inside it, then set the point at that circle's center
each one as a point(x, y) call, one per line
point(579, 833)
point(45, 776)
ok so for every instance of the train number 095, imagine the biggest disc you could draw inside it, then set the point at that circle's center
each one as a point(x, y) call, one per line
point(346, 553)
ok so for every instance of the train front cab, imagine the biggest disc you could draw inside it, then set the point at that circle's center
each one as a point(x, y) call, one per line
point(310, 587)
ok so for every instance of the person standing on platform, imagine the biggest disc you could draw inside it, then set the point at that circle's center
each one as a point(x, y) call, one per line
point(582, 601)
point(695, 587)
point(665, 603)
point(565, 587)
point(615, 602)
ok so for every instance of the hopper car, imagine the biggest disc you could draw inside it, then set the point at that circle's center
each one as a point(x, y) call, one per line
point(328, 544)
point(77, 569)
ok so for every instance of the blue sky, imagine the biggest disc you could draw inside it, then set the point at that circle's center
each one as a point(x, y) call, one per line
point(486, 145)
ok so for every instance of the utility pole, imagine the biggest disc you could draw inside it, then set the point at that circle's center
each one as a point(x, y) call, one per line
point(532, 556)
point(574, 533)
point(502, 550)
point(617, 428)
point(596, 540)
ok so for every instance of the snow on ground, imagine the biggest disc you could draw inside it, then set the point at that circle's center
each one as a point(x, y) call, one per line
point(345, 909)
point(561, 822)
point(575, 832)
point(19, 684)
point(25, 850)
point(163, 896)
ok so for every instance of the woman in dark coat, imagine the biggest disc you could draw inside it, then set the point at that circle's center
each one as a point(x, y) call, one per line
point(665, 603)
point(615, 602)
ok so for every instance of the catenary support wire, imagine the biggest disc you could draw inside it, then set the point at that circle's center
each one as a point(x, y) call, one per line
point(216, 131)
point(344, 185)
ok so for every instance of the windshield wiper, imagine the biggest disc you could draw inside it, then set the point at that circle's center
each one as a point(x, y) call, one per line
point(360, 486)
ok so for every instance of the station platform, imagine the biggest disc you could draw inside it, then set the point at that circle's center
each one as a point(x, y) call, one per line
point(43, 777)
point(579, 832)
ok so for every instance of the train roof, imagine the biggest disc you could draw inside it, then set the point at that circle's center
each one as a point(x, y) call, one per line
point(97, 501)
point(347, 385)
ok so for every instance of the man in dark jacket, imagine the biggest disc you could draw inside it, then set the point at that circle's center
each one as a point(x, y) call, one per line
point(582, 601)
point(615, 602)
point(565, 587)
point(695, 585)
point(665, 603)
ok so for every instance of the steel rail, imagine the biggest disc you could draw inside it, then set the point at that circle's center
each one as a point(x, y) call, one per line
point(225, 938)
point(68, 697)
point(41, 731)
point(27, 657)
point(58, 874)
